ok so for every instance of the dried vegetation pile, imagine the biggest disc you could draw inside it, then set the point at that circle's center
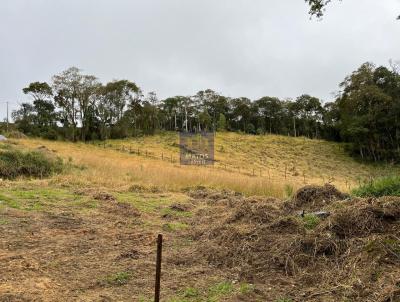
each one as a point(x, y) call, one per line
point(321, 245)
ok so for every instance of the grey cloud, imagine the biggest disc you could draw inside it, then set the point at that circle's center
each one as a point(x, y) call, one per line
point(237, 47)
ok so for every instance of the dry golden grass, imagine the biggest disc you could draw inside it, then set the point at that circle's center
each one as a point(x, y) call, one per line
point(254, 165)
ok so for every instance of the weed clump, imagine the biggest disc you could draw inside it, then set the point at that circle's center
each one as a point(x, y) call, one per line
point(15, 163)
point(386, 186)
point(118, 279)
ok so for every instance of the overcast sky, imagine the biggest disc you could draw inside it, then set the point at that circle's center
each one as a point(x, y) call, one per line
point(249, 48)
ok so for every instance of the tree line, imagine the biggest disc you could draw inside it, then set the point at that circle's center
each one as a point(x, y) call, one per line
point(76, 106)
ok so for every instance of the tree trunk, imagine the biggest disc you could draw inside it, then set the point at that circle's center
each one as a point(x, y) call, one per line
point(294, 127)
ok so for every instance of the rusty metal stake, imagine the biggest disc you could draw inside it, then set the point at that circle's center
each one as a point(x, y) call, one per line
point(158, 269)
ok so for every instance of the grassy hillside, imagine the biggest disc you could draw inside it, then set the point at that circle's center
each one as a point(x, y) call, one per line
point(255, 165)
point(89, 232)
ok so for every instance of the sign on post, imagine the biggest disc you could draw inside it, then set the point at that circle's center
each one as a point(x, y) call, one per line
point(196, 148)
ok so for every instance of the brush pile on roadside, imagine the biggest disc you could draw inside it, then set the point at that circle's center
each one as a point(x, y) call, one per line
point(350, 252)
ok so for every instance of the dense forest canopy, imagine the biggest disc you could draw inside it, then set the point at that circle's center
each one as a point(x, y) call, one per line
point(76, 106)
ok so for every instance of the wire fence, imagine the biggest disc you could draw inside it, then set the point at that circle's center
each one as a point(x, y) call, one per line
point(288, 174)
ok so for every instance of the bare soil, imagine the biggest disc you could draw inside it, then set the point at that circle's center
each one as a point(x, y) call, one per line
point(107, 253)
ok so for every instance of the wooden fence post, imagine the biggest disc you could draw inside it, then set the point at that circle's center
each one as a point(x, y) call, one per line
point(158, 269)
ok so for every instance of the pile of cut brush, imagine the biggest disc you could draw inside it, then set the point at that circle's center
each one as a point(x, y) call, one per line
point(322, 245)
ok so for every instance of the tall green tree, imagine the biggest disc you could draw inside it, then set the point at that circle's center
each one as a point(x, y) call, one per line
point(43, 116)
point(115, 97)
point(24, 118)
point(241, 113)
point(270, 109)
point(66, 86)
point(221, 122)
point(369, 112)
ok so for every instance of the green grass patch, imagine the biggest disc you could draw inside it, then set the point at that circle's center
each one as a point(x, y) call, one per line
point(118, 279)
point(40, 198)
point(214, 293)
point(191, 292)
point(9, 202)
point(147, 205)
point(221, 289)
point(174, 226)
point(385, 186)
point(310, 221)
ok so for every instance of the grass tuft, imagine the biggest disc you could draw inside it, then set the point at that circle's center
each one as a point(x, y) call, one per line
point(310, 221)
point(191, 292)
point(118, 279)
point(221, 289)
point(174, 226)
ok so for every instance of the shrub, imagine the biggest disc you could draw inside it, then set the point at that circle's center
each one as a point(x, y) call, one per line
point(50, 134)
point(14, 163)
point(385, 186)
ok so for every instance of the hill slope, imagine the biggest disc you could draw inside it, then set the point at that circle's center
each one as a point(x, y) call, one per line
point(255, 165)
